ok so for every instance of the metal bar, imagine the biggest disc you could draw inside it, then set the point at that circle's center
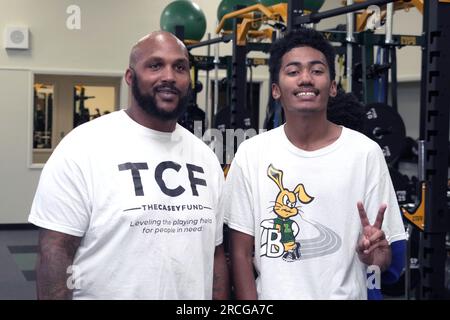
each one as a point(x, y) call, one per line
point(432, 266)
point(436, 97)
point(389, 22)
point(226, 38)
point(316, 17)
point(240, 11)
point(437, 115)
point(261, 47)
point(392, 53)
point(389, 56)
point(349, 54)
point(216, 81)
point(409, 229)
point(376, 39)
point(421, 160)
point(367, 60)
point(238, 79)
point(295, 10)
point(207, 108)
point(208, 63)
point(423, 84)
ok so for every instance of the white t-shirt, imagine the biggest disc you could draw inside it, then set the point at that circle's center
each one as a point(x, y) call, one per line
point(145, 203)
point(311, 254)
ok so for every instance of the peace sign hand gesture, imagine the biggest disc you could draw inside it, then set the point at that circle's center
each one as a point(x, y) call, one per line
point(372, 247)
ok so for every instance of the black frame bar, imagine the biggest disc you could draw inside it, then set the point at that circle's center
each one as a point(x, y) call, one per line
point(299, 20)
point(435, 105)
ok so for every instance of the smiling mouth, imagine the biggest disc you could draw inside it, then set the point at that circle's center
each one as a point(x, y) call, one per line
point(167, 89)
point(171, 93)
point(167, 94)
point(306, 94)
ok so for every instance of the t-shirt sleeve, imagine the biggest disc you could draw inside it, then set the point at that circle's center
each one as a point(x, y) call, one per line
point(219, 214)
point(61, 202)
point(236, 200)
point(381, 192)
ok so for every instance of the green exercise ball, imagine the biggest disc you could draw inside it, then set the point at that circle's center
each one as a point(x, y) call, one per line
point(187, 14)
point(227, 6)
point(310, 5)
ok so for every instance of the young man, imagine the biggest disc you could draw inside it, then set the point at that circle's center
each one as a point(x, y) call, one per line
point(128, 202)
point(312, 199)
point(345, 109)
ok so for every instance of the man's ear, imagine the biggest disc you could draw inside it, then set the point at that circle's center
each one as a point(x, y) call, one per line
point(276, 93)
point(333, 89)
point(128, 76)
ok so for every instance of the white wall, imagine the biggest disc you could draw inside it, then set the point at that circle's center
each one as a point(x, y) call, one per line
point(108, 30)
point(17, 182)
point(408, 58)
point(409, 107)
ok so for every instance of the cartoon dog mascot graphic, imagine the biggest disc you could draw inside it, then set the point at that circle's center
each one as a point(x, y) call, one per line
point(278, 234)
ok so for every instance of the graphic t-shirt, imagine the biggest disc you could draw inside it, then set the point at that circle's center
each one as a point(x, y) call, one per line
point(301, 208)
point(145, 203)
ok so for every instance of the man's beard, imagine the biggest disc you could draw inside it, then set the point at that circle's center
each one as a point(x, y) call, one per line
point(148, 103)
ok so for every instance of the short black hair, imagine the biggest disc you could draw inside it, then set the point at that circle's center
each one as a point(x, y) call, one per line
point(302, 37)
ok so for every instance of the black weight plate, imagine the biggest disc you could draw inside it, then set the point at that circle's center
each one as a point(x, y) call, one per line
point(385, 126)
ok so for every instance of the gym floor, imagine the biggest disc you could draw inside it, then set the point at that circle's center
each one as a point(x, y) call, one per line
point(18, 252)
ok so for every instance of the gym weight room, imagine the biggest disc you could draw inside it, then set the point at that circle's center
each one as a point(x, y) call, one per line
point(62, 64)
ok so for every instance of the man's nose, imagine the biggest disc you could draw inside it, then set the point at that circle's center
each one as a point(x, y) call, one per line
point(305, 78)
point(168, 74)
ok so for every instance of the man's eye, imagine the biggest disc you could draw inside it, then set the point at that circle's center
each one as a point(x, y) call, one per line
point(317, 71)
point(181, 68)
point(154, 66)
point(292, 72)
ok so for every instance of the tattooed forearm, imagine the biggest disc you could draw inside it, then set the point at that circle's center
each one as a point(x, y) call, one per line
point(56, 253)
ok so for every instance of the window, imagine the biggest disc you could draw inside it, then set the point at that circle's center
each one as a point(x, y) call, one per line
point(91, 102)
point(62, 102)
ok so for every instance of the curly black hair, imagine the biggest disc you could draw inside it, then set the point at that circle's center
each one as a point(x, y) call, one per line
point(302, 37)
point(345, 109)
